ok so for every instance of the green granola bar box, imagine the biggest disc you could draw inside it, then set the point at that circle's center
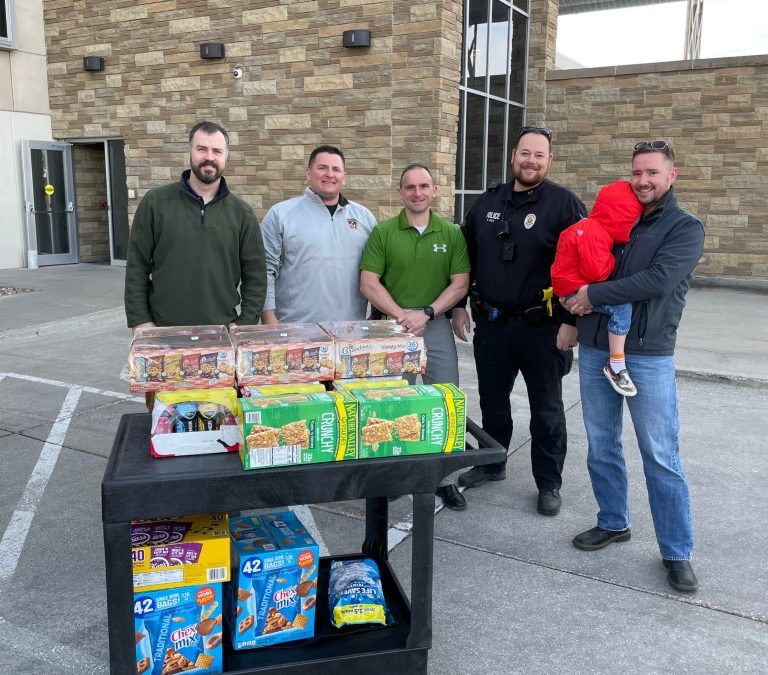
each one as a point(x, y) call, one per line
point(413, 420)
point(301, 428)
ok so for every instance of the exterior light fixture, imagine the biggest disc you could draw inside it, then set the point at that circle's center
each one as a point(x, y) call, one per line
point(93, 63)
point(212, 50)
point(356, 38)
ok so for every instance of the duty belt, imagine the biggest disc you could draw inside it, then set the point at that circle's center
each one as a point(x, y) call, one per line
point(532, 313)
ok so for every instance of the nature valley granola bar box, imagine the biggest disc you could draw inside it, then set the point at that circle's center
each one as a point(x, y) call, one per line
point(413, 420)
point(299, 429)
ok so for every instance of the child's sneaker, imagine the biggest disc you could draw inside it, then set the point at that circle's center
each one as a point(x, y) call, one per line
point(621, 381)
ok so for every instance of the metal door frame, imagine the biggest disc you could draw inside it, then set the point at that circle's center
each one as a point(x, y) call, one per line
point(33, 258)
point(104, 142)
point(110, 211)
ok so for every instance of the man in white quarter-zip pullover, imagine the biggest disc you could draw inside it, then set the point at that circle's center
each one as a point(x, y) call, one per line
point(313, 245)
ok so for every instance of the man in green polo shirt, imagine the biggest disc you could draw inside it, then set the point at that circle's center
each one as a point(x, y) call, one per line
point(414, 269)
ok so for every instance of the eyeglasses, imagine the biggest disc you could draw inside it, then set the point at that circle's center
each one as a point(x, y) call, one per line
point(547, 133)
point(651, 145)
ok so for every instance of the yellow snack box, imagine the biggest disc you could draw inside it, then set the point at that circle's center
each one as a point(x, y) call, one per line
point(184, 551)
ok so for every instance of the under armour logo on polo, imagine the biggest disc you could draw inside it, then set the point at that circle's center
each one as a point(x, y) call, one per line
point(437, 248)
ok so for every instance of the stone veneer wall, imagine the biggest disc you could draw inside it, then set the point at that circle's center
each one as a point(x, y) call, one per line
point(715, 115)
point(385, 106)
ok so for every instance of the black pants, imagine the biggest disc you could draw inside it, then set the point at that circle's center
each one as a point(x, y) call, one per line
point(504, 349)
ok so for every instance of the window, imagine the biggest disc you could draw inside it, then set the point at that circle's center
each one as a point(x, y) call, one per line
point(7, 36)
point(492, 94)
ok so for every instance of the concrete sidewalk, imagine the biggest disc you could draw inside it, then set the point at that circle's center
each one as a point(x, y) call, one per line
point(511, 594)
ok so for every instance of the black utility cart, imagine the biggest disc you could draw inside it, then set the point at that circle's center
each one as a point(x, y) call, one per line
point(136, 486)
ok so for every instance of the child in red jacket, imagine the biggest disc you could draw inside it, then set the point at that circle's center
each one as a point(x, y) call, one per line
point(585, 255)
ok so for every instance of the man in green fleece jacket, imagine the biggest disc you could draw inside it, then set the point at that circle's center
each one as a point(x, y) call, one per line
point(192, 244)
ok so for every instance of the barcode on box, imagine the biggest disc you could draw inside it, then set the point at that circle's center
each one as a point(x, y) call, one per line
point(217, 574)
point(253, 417)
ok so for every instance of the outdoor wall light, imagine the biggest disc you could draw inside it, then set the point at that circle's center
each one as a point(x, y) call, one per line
point(212, 50)
point(93, 63)
point(356, 38)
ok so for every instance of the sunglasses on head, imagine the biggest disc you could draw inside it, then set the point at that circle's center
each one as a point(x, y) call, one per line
point(547, 133)
point(651, 145)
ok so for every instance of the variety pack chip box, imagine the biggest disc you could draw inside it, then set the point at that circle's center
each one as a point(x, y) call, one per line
point(375, 348)
point(181, 357)
point(274, 587)
point(296, 352)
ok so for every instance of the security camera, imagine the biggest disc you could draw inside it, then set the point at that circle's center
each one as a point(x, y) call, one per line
point(238, 72)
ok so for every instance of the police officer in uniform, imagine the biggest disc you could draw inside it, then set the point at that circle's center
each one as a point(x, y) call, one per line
point(511, 233)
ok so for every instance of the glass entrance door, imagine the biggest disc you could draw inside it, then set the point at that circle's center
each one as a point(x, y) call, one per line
point(50, 203)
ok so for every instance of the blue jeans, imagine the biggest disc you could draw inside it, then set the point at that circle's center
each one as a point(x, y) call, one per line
point(654, 416)
point(619, 317)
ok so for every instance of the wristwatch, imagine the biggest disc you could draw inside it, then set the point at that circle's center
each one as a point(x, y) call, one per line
point(429, 311)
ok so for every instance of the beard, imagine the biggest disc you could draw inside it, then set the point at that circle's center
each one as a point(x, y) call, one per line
point(206, 178)
point(539, 176)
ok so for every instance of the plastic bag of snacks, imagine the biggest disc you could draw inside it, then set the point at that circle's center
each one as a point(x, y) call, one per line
point(355, 595)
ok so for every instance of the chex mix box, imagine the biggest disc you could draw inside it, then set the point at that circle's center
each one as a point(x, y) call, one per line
point(195, 422)
point(185, 551)
point(179, 630)
point(375, 348)
point(289, 352)
point(274, 587)
point(181, 357)
point(413, 420)
point(298, 429)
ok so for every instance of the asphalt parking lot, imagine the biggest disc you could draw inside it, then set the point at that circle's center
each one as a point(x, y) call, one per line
point(511, 594)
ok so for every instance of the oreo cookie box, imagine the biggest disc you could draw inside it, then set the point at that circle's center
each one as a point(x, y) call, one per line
point(274, 580)
point(412, 420)
point(298, 429)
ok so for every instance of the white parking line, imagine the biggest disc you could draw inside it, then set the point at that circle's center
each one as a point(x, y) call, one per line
point(69, 385)
point(16, 533)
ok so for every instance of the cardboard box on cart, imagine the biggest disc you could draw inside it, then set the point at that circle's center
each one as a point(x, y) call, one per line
point(274, 587)
point(298, 429)
point(181, 357)
point(375, 349)
point(179, 566)
point(413, 420)
point(282, 354)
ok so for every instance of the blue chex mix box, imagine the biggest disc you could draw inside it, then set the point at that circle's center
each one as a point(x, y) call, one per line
point(274, 580)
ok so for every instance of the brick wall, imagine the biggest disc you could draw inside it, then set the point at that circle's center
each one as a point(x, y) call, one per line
point(385, 106)
point(91, 197)
point(715, 115)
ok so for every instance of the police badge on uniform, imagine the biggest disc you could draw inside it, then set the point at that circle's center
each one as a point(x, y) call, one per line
point(352, 222)
point(529, 221)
